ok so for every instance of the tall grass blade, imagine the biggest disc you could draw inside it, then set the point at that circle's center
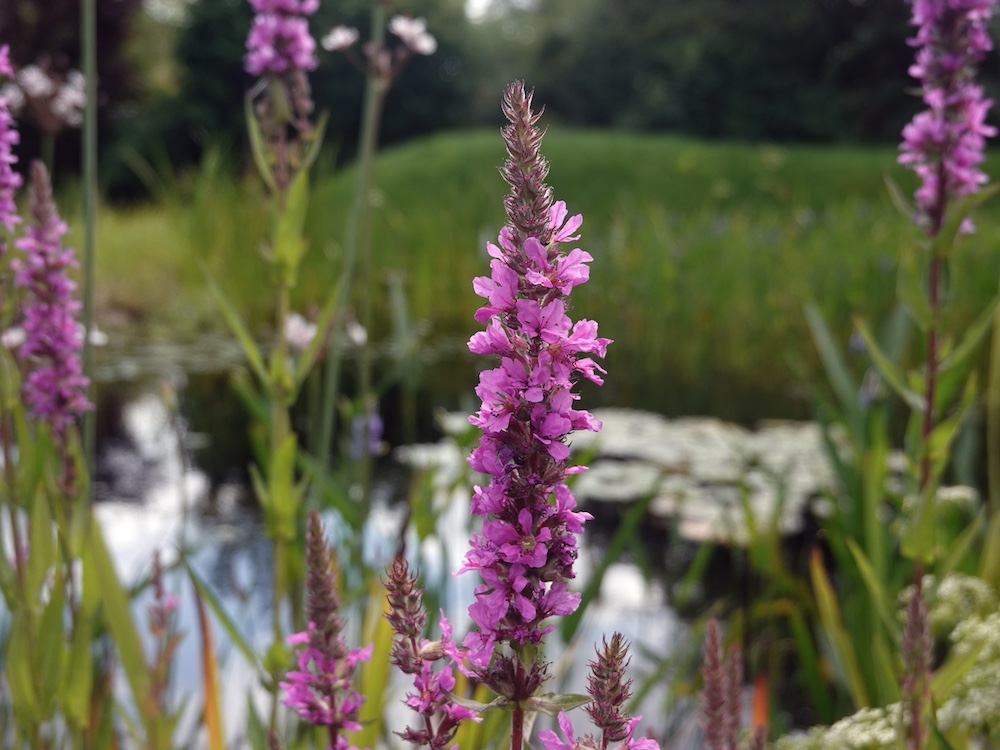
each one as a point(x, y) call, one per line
point(210, 679)
point(117, 616)
point(205, 593)
point(836, 633)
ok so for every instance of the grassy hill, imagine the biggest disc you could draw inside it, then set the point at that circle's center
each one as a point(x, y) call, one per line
point(704, 256)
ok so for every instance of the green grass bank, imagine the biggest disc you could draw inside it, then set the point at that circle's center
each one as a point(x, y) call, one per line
point(705, 254)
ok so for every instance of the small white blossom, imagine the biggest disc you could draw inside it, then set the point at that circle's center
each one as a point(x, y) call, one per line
point(299, 332)
point(413, 33)
point(12, 337)
point(35, 82)
point(14, 96)
point(340, 38)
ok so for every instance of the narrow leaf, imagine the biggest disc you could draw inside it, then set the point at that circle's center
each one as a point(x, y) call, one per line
point(552, 703)
point(207, 594)
point(876, 592)
point(836, 633)
point(117, 616)
point(888, 369)
point(239, 330)
point(258, 146)
point(210, 679)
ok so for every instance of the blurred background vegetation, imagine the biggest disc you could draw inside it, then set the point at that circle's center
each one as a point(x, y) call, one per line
point(729, 157)
point(819, 71)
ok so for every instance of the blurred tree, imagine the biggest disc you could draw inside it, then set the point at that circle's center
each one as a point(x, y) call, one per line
point(206, 107)
point(815, 70)
point(47, 32)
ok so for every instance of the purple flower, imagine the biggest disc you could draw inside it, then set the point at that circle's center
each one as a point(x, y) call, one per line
point(432, 700)
point(527, 547)
point(321, 688)
point(10, 180)
point(55, 388)
point(944, 143)
point(279, 41)
point(550, 740)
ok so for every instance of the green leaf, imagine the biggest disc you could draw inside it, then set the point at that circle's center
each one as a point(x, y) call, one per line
point(334, 493)
point(910, 286)
point(236, 636)
point(945, 242)
point(285, 494)
point(954, 369)
point(78, 676)
point(374, 678)
point(323, 323)
point(954, 669)
point(836, 633)
point(314, 142)
point(258, 145)
point(888, 369)
point(837, 373)
point(19, 671)
point(117, 616)
point(288, 242)
point(876, 593)
point(497, 704)
point(553, 703)
point(959, 549)
point(51, 645)
point(212, 714)
point(236, 324)
point(43, 547)
point(900, 201)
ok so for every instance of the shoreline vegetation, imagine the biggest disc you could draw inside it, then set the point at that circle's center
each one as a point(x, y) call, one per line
point(715, 246)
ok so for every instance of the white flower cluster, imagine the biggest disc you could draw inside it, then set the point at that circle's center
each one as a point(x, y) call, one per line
point(973, 705)
point(964, 607)
point(868, 729)
point(63, 98)
point(411, 31)
point(955, 599)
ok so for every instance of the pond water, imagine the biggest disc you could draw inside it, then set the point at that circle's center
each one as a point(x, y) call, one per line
point(155, 493)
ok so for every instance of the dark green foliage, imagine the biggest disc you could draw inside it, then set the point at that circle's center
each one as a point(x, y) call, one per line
point(48, 32)
point(818, 70)
point(207, 108)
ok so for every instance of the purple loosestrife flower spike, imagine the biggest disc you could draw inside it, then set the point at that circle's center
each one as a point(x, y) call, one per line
point(413, 655)
point(279, 41)
point(55, 388)
point(610, 690)
point(320, 690)
point(944, 143)
point(10, 180)
point(716, 696)
point(527, 547)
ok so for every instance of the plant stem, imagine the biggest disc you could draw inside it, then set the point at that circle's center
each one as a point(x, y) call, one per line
point(89, 45)
point(375, 93)
point(934, 298)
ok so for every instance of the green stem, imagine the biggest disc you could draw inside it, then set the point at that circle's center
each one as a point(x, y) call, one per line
point(89, 45)
point(993, 421)
point(375, 93)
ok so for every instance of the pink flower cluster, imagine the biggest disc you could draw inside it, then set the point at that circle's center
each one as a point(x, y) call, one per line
point(10, 180)
point(527, 548)
point(944, 143)
point(551, 741)
point(320, 690)
point(279, 41)
point(56, 387)
point(432, 699)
